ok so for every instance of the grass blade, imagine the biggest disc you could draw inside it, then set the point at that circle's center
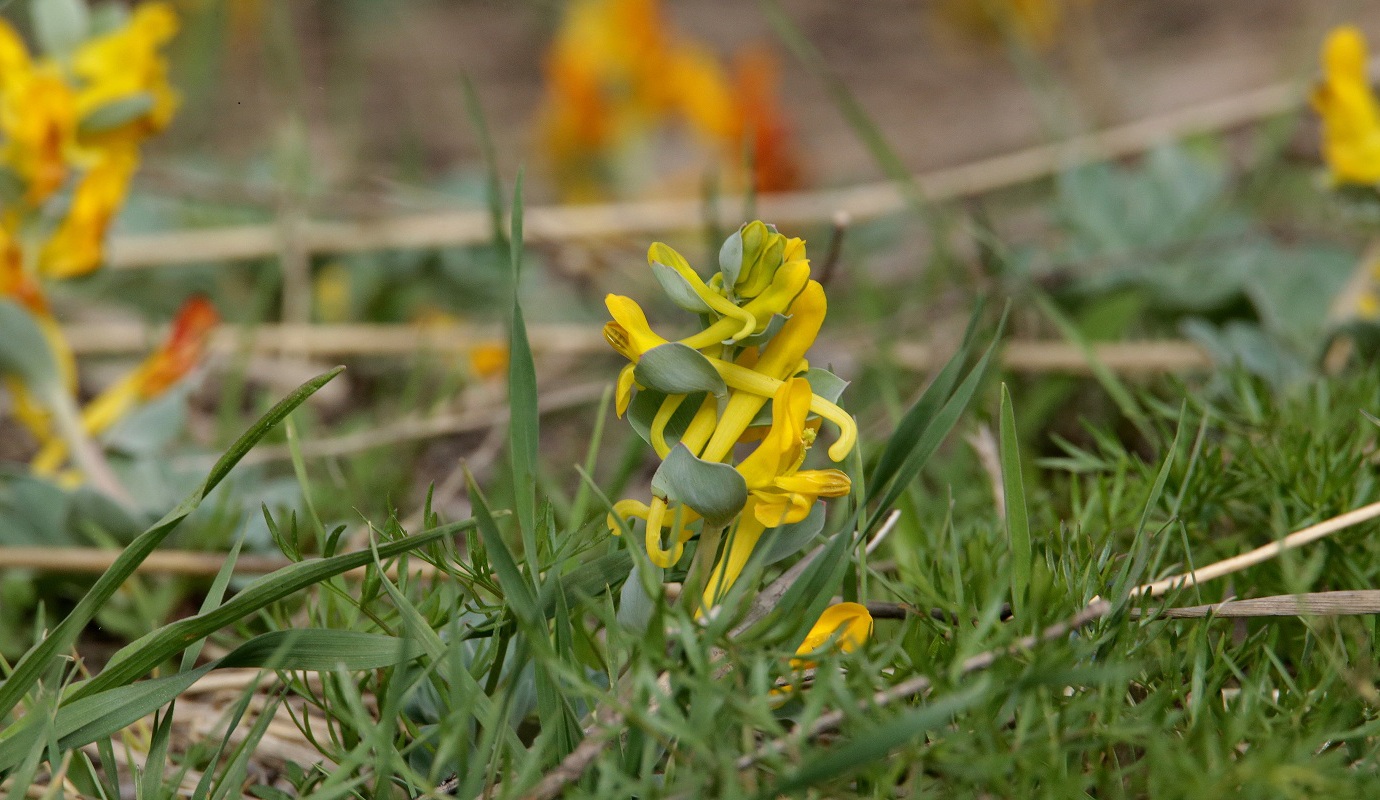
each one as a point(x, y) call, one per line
point(1017, 518)
point(524, 420)
point(34, 662)
point(1108, 380)
point(141, 656)
point(914, 421)
point(517, 590)
point(875, 743)
point(928, 442)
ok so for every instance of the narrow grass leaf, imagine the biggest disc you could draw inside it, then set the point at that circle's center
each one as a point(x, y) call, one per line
point(1110, 383)
point(919, 416)
point(877, 741)
point(96, 715)
point(141, 656)
point(516, 588)
point(933, 434)
point(34, 662)
point(1135, 566)
point(486, 148)
point(524, 419)
point(1013, 492)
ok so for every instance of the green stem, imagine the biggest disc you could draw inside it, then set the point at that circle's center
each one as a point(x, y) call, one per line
point(697, 577)
point(88, 457)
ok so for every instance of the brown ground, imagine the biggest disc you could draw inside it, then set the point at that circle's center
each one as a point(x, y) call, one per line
point(380, 85)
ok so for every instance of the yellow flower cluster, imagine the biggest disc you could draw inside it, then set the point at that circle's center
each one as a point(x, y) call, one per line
point(616, 72)
point(1350, 114)
point(71, 123)
point(70, 128)
point(761, 313)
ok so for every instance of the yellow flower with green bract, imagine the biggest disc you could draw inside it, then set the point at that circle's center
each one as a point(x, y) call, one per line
point(741, 378)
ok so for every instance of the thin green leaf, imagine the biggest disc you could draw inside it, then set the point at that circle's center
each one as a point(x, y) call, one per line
point(517, 590)
point(524, 421)
point(921, 448)
point(1013, 492)
point(141, 656)
point(36, 660)
point(919, 416)
point(1107, 379)
point(486, 148)
point(877, 741)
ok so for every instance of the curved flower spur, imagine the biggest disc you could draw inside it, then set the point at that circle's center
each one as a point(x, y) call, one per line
point(742, 377)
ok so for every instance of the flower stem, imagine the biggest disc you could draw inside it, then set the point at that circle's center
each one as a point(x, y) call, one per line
point(698, 575)
point(87, 456)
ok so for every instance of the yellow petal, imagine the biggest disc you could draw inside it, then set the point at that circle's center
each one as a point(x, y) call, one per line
point(623, 394)
point(660, 556)
point(629, 333)
point(847, 625)
point(668, 408)
point(78, 245)
point(779, 449)
point(778, 359)
point(816, 482)
point(625, 509)
point(664, 255)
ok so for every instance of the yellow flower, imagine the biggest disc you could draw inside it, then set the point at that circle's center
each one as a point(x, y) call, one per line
point(783, 492)
point(1035, 21)
point(629, 333)
point(779, 491)
point(603, 89)
point(489, 359)
point(38, 119)
point(702, 94)
point(847, 625)
point(1350, 115)
point(78, 245)
point(332, 293)
point(124, 64)
point(779, 359)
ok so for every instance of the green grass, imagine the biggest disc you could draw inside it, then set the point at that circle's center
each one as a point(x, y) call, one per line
point(500, 640)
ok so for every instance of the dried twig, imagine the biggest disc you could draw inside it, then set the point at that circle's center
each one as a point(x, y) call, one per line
point(862, 202)
point(1313, 604)
point(1099, 608)
point(1227, 566)
point(358, 339)
point(418, 428)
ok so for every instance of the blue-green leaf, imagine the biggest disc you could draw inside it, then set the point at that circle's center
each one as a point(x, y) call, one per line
point(714, 490)
point(675, 368)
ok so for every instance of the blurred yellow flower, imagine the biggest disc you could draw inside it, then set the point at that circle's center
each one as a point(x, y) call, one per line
point(1350, 115)
point(38, 120)
point(489, 360)
point(78, 245)
point(847, 625)
point(1037, 22)
point(126, 67)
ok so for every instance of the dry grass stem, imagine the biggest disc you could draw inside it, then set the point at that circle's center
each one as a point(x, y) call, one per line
point(548, 224)
point(357, 339)
point(1227, 566)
